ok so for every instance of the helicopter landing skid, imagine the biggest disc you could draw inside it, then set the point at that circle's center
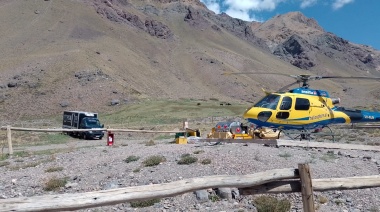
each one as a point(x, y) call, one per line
point(310, 134)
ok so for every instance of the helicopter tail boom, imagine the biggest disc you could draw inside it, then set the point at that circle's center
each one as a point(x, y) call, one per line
point(357, 116)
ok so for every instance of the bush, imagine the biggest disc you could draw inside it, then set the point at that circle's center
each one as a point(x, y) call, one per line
point(154, 160)
point(187, 160)
point(144, 203)
point(131, 159)
point(206, 161)
point(271, 204)
point(55, 183)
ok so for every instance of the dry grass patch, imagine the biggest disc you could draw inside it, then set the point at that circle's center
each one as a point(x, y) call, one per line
point(154, 160)
point(285, 155)
point(4, 163)
point(54, 184)
point(131, 159)
point(329, 156)
point(144, 203)
point(206, 161)
point(150, 143)
point(271, 204)
point(322, 199)
point(54, 169)
point(187, 159)
point(24, 166)
point(198, 152)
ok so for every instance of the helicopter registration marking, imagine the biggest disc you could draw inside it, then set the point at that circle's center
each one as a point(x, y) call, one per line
point(318, 116)
point(369, 117)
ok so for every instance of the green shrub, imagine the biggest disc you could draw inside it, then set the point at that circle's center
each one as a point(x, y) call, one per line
point(154, 160)
point(131, 159)
point(54, 184)
point(271, 204)
point(136, 170)
point(187, 160)
point(54, 169)
point(144, 203)
point(213, 198)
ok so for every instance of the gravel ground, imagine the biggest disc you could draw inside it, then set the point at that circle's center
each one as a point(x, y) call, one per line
point(93, 166)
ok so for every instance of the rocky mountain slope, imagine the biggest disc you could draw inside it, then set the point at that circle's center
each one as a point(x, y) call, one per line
point(302, 42)
point(90, 55)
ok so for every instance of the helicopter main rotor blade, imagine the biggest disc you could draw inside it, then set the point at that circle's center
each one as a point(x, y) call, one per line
point(302, 78)
point(287, 86)
point(339, 77)
point(272, 73)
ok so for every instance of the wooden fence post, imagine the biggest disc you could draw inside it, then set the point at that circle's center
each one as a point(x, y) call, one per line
point(306, 188)
point(9, 137)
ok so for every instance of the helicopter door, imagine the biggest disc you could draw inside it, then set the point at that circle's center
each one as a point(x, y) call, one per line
point(285, 106)
point(302, 110)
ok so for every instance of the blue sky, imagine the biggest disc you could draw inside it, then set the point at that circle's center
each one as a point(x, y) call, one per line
point(355, 20)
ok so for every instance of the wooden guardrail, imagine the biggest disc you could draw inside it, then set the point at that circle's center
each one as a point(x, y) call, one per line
point(271, 181)
point(9, 132)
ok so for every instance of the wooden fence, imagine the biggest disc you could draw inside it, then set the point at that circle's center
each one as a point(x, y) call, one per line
point(9, 132)
point(272, 181)
point(275, 142)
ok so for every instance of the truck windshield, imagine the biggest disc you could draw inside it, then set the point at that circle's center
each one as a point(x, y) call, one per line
point(92, 123)
point(270, 102)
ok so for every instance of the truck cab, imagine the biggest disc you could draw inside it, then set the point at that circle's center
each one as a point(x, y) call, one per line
point(90, 123)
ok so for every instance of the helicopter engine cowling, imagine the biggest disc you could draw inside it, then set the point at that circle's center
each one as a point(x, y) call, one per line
point(335, 101)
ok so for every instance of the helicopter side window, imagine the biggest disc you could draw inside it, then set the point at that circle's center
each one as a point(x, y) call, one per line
point(302, 104)
point(286, 103)
point(282, 115)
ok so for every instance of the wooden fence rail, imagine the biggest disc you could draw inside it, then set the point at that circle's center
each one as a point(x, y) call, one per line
point(9, 133)
point(263, 182)
point(93, 129)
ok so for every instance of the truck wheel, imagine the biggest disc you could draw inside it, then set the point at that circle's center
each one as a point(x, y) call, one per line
point(100, 138)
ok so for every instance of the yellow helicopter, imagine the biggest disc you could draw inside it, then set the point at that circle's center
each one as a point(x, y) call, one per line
point(302, 110)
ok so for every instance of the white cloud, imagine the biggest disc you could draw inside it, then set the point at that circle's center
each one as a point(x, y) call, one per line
point(241, 9)
point(340, 3)
point(240, 14)
point(212, 5)
point(308, 3)
point(257, 5)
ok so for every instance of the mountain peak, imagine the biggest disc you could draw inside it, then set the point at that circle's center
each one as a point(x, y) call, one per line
point(279, 28)
point(194, 3)
point(297, 16)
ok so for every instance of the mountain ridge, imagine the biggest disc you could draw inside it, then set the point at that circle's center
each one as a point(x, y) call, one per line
point(94, 55)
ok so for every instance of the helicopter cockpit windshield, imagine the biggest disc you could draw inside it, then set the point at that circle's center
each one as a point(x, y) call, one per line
point(270, 102)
